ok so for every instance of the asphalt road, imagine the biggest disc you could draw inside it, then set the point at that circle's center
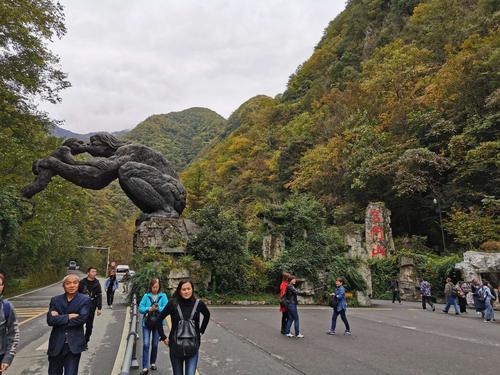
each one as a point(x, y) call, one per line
point(31, 357)
point(387, 339)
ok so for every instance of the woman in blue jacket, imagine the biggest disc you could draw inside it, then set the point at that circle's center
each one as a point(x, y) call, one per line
point(340, 309)
point(152, 303)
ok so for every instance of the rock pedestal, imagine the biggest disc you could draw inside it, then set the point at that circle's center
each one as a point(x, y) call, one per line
point(164, 234)
point(170, 236)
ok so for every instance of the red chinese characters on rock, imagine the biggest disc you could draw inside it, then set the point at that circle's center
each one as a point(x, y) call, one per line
point(377, 234)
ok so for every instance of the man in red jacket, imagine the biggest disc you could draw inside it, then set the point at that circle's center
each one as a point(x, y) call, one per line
point(284, 311)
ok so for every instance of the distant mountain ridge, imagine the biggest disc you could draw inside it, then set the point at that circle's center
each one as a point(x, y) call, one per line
point(64, 133)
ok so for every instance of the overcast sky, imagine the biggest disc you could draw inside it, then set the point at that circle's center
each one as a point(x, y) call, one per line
point(127, 60)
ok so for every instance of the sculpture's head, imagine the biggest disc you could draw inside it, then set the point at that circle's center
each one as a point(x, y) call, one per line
point(76, 146)
point(104, 144)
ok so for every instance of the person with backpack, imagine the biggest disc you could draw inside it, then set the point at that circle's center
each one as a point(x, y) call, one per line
point(185, 335)
point(152, 303)
point(450, 294)
point(291, 304)
point(9, 330)
point(111, 286)
point(478, 303)
point(339, 304)
point(394, 288)
point(91, 287)
point(283, 310)
point(425, 291)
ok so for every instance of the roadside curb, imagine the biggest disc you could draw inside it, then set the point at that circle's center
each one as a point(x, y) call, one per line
point(120, 355)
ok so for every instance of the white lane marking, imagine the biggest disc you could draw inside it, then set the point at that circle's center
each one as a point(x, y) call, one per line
point(407, 327)
point(44, 346)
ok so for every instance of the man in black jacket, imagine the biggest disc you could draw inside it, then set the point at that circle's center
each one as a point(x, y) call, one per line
point(91, 287)
point(67, 314)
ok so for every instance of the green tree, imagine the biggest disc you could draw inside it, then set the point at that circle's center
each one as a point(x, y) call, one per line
point(220, 246)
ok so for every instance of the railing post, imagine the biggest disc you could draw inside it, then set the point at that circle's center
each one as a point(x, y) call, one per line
point(135, 363)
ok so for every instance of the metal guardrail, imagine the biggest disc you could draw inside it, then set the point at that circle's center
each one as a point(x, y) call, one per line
point(130, 358)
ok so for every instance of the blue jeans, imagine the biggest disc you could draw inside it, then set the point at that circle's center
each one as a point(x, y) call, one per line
point(293, 316)
point(66, 361)
point(189, 363)
point(489, 313)
point(343, 317)
point(146, 338)
point(451, 301)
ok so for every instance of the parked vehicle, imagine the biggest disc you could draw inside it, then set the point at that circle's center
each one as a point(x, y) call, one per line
point(121, 270)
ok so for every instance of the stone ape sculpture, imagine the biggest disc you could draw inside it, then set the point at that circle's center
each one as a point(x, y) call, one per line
point(144, 174)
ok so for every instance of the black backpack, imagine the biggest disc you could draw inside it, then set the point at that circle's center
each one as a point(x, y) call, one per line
point(152, 318)
point(185, 341)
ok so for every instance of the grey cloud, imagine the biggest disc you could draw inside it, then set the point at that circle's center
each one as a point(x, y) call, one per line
point(128, 59)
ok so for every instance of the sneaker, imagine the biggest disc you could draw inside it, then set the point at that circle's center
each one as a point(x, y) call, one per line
point(300, 336)
point(153, 367)
point(433, 308)
point(330, 332)
point(289, 335)
point(446, 312)
point(111, 307)
point(144, 371)
point(347, 333)
point(457, 314)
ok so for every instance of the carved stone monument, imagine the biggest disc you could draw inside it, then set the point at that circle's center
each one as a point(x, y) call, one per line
point(477, 265)
point(379, 242)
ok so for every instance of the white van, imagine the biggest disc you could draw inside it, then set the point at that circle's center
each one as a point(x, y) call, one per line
point(121, 270)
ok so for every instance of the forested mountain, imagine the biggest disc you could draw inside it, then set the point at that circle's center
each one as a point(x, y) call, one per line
point(398, 103)
point(179, 136)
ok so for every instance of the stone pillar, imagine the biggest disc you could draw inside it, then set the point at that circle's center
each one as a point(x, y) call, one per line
point(273, 245)
point(379, 242)
point(408, 279)
point(358, 251)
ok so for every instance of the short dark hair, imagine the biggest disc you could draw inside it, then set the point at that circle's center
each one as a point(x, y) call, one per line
point(91, 268)
point(291, 277)
point(340, 279)
point(153, 281)
point(177, 293)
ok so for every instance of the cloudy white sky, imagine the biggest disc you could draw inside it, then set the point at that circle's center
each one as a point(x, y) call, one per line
point(127, 60)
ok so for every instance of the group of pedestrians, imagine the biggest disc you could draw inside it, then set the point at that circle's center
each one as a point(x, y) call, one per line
point(185, 333)
point(483, 296)
point(289, 312)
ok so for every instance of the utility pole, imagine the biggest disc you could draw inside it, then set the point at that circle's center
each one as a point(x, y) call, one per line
point(98, 248)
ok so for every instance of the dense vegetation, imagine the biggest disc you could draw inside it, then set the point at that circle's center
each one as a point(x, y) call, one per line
point(398, 103)
point(39, 237)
